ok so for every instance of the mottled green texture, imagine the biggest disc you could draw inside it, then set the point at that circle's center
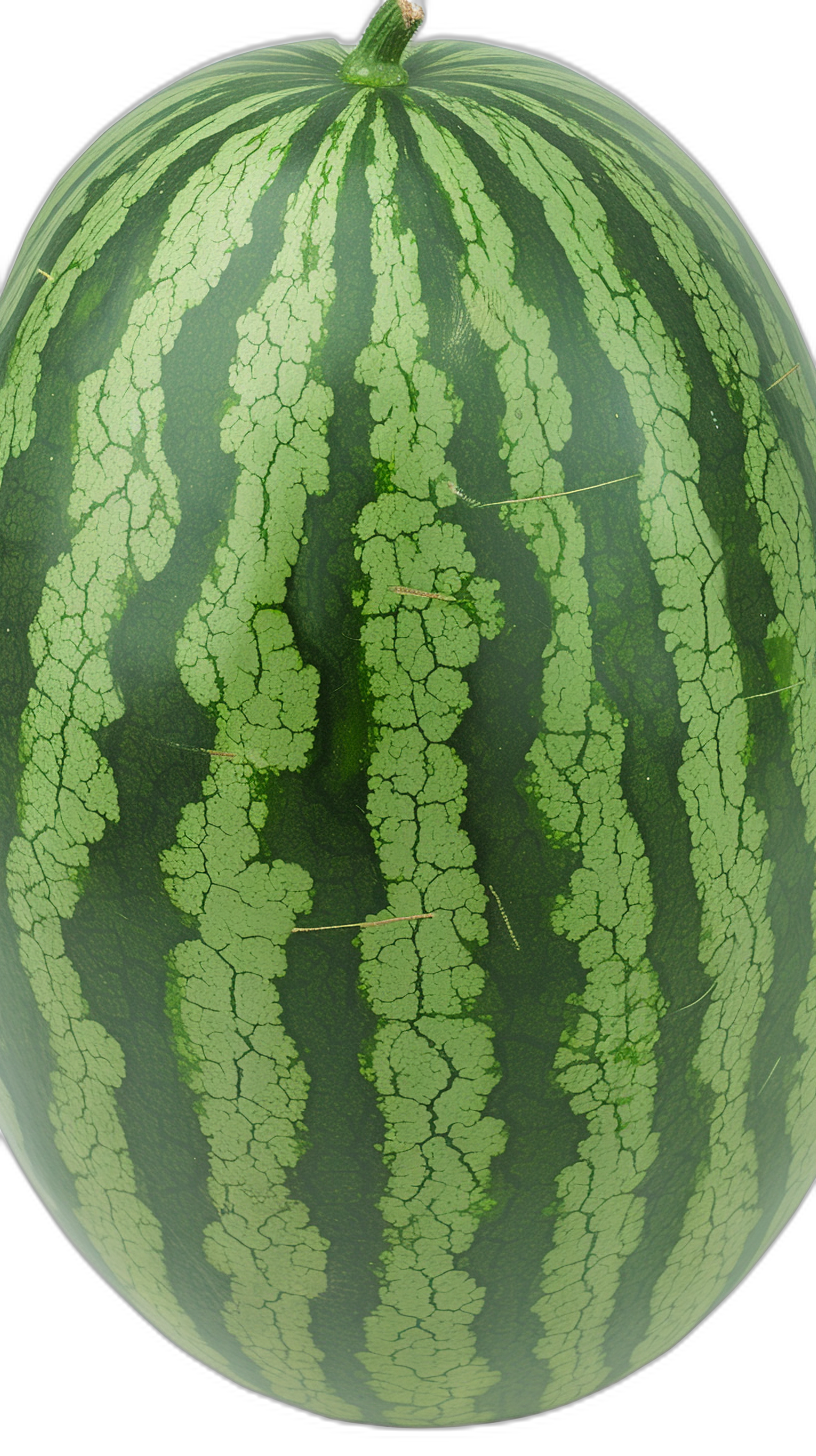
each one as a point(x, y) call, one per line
point(101, 222)
point(431, 1062)
point(727, 859)
point(774, 483)
point(605, 1061)
point(236, 655)
point(786, 545)
point(288, 647)
point(125, 509)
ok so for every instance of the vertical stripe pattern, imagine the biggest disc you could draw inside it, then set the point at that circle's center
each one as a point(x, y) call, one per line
point(452, 876)
point(431, 1063)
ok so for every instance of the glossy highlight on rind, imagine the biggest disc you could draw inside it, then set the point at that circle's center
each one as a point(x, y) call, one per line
point(407, 521)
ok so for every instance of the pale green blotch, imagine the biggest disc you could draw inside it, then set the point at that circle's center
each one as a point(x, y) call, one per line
point(774, 485)
point(431, 1063)
point(537, 421)
point(237, 657)
point(102, 222)
point(250, 1084)
point(727, 859)
point(607, 1064)
point(124, 507)
point(676, 240)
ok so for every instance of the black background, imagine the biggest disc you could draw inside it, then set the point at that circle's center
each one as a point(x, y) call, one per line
point(736, 98)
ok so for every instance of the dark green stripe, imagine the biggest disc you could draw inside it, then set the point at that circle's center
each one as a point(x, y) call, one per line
point(102, 1220)
point(33, 533)
point(682, 1106)
point(155, 779)
point(615, 232)
point(518, 1286)
point(770, 779)
point(631, 663)
point(742, 1159)
point(525, 997)
point(236, 657)
point(317, 819)
point(432, 1061)
point(317, 816)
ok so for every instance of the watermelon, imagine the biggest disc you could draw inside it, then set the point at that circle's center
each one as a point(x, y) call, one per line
point(407, 771)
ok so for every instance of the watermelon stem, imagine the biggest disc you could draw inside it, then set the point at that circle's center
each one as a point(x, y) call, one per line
point(377, 58)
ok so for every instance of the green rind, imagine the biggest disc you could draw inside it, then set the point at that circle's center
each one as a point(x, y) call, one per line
point(560, 1135)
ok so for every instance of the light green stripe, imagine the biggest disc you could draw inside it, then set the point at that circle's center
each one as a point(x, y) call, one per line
point(697, 276)
point(431, 1062)
point(263, 146)
point(125, 510)
point(133, 136)
point(794, 387)
point(786, 547)
point(538, 406)
point(236, 654)
point(728, 832)
point(606, 1063)
point(727, 865)
point(697, 191)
